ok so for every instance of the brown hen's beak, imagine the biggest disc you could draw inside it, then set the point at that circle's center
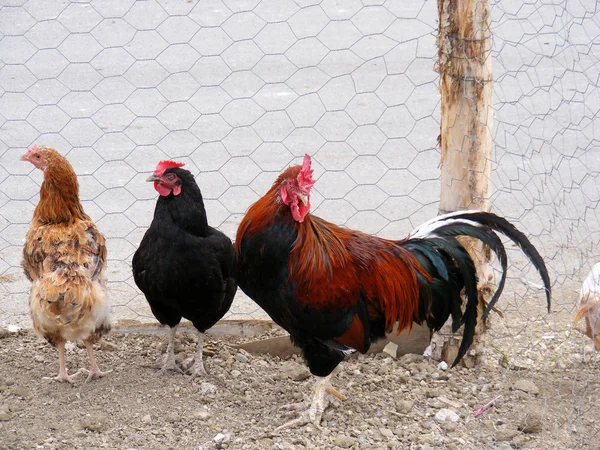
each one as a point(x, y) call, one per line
point(24, 157)
point(152, 178)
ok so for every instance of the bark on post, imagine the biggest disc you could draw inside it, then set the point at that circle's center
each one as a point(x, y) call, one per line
point(465, 68)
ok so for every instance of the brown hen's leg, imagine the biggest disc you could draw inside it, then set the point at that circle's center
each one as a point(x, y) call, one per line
point(94, 371)
point(317, 406)
point(197, 369)
point(63, 375)
point(169, 360)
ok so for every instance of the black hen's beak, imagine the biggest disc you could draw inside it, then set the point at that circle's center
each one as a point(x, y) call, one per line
point(153, 178)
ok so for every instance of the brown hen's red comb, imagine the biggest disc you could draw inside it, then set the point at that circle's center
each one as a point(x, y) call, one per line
point(166, 164)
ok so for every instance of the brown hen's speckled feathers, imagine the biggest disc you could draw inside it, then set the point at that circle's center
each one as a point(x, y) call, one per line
point(64, 257)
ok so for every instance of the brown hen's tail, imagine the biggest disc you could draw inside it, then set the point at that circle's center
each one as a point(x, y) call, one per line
point(435, 245)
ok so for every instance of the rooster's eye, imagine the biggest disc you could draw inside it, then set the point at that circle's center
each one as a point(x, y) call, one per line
point(170, 177)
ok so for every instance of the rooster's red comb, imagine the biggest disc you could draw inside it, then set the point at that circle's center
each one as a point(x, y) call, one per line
point(305, 179)
point(166, 164)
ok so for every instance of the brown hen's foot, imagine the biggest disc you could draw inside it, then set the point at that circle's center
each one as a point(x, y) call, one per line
point(64, 377)
point(94, 373)
point(317, 407)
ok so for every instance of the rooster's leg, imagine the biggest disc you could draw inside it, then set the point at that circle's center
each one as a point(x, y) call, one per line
point(198, 368)
point(318, 405)
point(63, 375)
point(94, 371)
point(169, 360)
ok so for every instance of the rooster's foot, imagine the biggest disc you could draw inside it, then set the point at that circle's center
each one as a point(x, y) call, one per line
point(316, 409)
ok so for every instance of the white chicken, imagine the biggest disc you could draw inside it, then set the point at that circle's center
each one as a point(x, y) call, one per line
point(588, 306)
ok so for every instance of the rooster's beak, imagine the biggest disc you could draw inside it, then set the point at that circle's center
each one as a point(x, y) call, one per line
point(153, 178)
point(303, 198)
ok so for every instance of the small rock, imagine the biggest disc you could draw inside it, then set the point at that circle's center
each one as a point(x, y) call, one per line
point(208, 388)
point(4, 416)
point(4, 333)
point(531, 423)
point(295, 371)
point(203, 414)
point(446, 415)
point(96, 422)
point(187, 363)
point(443, 365)
point(527, 386)
point(505, 434)
point(109, 346)
point(503, 447)
point(172, 417)
point(38, 358)
point(410, 358)
point(13, 328)
point(386, 432)
point(235, 373)
point(222, 437)
point(521, 441)
point(404, 406)
point(576, 358)
point(242, 358)
point(432, 393)
point(344, 441)
point(147, 418)
point(391, 349)
point(22, 392)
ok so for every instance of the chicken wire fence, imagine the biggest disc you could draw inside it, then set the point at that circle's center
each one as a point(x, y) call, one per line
point(238, 90)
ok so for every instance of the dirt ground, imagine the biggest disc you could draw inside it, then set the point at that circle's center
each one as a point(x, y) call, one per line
point(548, 383)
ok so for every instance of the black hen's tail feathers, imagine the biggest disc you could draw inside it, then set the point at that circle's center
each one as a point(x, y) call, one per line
point(435, 245)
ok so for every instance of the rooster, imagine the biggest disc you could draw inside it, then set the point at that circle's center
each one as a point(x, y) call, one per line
point(64, 258)
point(589, 306)
point(337, 290)
point(184, 267)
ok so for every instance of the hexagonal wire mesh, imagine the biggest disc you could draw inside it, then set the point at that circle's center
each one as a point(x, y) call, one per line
point(239, 90)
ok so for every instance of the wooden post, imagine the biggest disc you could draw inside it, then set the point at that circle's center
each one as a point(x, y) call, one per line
point(465, 68)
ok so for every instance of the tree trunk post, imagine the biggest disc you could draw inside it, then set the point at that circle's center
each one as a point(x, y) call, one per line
point(465, 68)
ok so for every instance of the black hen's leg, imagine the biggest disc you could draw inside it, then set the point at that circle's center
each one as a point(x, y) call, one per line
point(168, 363)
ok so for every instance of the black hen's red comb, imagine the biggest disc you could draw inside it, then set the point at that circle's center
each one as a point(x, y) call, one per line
point(166, 164)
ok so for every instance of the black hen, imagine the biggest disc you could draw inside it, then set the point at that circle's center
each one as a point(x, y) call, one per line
point(184, 267)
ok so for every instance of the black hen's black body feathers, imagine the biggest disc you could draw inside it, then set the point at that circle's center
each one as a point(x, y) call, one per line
point(184, 267)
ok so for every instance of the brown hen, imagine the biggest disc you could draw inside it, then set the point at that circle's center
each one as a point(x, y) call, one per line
point(64, 258)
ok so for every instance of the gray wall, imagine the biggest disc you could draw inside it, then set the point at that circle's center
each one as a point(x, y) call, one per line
point(241, 89)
